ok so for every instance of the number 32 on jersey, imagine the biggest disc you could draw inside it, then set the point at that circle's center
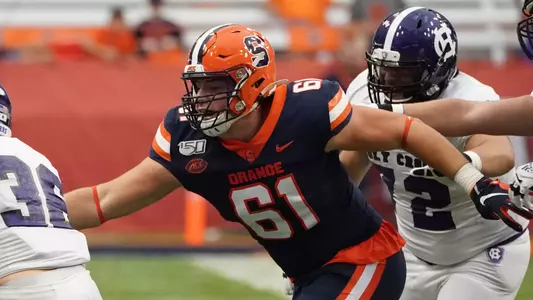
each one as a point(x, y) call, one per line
point(285, 188)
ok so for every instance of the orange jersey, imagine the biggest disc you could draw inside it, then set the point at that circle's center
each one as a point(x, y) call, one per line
point(294, 198)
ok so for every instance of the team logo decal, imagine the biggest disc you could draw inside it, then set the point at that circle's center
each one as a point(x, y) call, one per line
point(250, 156)
point(444, 44)
point(256, 47)
point(196, 166)
point(495, 254)
point(189, 148)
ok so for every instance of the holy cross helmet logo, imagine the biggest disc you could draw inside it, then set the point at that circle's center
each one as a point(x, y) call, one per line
point(444, 44)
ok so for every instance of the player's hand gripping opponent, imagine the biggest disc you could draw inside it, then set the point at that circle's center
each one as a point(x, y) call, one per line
point(521, 189)
point(492, 201)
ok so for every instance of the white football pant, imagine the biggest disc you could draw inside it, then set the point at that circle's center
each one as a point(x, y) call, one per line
point(71, 283)
point(494, 274)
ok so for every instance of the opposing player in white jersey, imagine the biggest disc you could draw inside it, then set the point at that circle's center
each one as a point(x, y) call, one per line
point(41, 256)
point(452, 252)
point(457, 117)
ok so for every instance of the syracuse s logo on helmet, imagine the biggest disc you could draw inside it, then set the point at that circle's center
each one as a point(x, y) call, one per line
point(255, 46)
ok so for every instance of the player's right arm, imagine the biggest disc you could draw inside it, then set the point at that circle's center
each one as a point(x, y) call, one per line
point(455, 117)
point(141, 186)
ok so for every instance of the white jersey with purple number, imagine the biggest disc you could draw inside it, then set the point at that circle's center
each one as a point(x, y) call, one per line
point(436, 216)
point(34, 229)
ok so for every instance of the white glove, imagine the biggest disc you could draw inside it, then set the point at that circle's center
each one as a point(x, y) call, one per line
point(521, 188)
point(288, 288)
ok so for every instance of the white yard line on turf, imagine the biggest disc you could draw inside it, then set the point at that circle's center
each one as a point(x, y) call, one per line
point(258, 271)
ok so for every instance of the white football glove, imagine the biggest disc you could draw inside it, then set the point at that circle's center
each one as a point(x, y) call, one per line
point(521, 188)
point(288, 288)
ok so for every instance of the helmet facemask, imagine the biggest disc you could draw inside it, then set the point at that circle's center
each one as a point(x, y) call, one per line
point(524, 30)
point(392, 81)
point(212, 101)
point(5, 113)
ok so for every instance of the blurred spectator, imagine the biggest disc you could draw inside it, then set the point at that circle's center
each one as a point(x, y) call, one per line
point(306, 23)
point(157, 35)
point(5, 52)
point(349, 61)
point(369, 13)
point(301, 11)
point(365, 17)
point(115, 41)
point(29, 53)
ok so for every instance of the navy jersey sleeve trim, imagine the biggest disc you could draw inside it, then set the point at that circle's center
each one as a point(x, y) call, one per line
point(339, 110)
point(162, 162)
point(160, 149)
point(341, 125)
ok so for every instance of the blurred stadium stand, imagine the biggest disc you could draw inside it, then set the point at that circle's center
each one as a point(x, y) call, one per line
point(485, 26)
point(95, 120)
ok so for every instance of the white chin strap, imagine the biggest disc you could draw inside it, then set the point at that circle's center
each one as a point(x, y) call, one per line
point(382, 97)
point(5, 131)
point(218, 130)
point(403, 100)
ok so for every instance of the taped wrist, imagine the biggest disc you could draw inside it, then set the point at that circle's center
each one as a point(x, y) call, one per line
point(467, 177)
point(474, 159)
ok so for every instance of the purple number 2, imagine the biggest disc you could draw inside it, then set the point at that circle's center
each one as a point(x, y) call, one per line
point(31, 203)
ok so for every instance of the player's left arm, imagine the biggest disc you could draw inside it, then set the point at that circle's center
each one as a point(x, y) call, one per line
point(492, 155)
point(370, 129)
point(455, 117)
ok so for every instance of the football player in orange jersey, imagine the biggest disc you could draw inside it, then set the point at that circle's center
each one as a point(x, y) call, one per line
point(265, 153)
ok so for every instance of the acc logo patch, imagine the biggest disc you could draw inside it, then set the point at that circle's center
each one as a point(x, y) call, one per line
point(495, 254)
point(194, 68)
point(189, 148)
point(196, 166)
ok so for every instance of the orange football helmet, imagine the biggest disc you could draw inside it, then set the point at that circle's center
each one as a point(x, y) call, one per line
point(234, 52)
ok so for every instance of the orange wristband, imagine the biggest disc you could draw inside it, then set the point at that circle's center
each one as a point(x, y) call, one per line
point(97, 204)
point(408, 121)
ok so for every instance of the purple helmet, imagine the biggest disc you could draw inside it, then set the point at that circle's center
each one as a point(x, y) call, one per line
point(5, 108)
point(413, 57)
point(524, 29)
